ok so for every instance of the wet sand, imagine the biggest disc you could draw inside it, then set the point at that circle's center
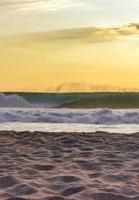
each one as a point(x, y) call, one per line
point(70, 166)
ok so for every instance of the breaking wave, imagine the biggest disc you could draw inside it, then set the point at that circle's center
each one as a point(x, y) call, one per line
point(82, 116)
point(15, 108)
point(13, 101)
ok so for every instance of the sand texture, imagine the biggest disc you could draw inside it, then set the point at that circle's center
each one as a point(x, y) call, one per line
point(78, 166)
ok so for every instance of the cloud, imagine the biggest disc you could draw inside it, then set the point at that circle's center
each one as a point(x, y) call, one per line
point(18, 16)
point(15, 3)
point(48, 5)
point(86, 35)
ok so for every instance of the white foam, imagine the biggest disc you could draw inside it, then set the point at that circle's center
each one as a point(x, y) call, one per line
point(82, 116)
point(13, 101)
point(70, 127)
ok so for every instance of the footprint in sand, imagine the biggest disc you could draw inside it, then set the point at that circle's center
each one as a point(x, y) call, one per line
point(7, 140)
point(28, 173)
point(7, 181)
point(135, 165)
point(65, 179)
point(87, 165)
point(95, 175)
point(110, 196)
point(117, 178)
point(43, 167)
point(16, 198)
point(23, 189)
point(72, 190)
point(54, 198)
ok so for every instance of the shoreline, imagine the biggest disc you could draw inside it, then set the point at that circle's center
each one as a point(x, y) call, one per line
point(69, 128)
point(97, 133)
point(69, 166)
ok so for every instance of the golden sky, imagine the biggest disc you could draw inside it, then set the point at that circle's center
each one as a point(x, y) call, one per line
point(47, 43)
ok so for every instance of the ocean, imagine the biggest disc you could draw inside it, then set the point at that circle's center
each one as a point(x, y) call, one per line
point(53, 112)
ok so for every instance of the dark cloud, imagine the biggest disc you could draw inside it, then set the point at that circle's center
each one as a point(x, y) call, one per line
point(134, 25)
point(92, 34)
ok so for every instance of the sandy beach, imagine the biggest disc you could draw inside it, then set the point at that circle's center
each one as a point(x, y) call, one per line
point(71, 166)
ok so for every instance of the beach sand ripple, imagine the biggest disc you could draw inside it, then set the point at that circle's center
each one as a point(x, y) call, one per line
point(69, 166)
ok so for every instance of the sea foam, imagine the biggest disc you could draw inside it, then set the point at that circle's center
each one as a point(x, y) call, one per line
point(13, 101)
point(14, 108)
point(82, 116)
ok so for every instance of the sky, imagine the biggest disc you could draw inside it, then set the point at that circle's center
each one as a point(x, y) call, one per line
point(45, 43)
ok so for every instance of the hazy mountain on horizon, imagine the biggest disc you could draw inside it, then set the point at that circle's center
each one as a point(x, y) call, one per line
point(83, 87)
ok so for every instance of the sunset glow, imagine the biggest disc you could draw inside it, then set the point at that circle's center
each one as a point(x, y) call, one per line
point(47, 43)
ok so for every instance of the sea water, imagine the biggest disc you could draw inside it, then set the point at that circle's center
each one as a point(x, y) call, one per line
point(69, 120)
point(20, 113)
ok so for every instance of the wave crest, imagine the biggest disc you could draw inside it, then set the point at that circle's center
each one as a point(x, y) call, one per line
point(83, 116)
point(13, 101)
